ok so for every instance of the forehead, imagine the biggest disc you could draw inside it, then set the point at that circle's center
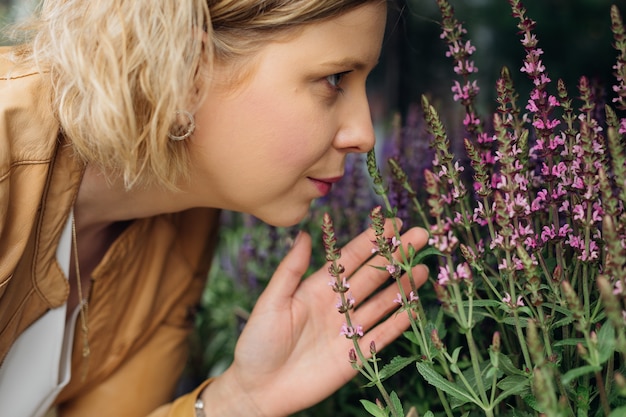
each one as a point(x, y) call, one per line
point(351, 40)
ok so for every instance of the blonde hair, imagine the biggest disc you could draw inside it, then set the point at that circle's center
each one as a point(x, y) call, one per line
point(122, 69)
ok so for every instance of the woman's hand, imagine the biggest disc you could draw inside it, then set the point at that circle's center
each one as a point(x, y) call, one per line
point(290, 354)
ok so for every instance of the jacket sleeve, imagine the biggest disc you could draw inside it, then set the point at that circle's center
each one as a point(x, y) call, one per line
point(182, 406)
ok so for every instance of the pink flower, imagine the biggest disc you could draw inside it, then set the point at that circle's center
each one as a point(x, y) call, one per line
point(548, 233)
point(553, 101)
point(507, 300)
point(411, 299)
point(541, 80)
point(463, 271)
point(579, 212)
point(532, 67)
point(351, 332)
point(564, 230)
point(398, 299)
point(350, 300)
point(444, 276)
point(532, 107)
point(342, 286)
point(392, 269)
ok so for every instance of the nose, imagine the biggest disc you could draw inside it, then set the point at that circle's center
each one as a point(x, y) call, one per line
point(356, 132)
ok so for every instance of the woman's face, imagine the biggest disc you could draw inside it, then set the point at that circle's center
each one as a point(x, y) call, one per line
point(271, 145)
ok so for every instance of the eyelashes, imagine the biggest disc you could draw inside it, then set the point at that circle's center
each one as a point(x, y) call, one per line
point(334, 80)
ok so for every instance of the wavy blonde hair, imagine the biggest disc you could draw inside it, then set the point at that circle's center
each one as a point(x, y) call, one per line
point(122, 69)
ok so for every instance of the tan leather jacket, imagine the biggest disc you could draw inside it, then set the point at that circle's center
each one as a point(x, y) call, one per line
point(143, 292)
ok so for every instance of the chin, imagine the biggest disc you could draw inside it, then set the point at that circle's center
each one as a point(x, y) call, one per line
point(283, 219)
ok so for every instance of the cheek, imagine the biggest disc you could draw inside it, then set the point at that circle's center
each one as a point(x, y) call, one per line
point(290, 133)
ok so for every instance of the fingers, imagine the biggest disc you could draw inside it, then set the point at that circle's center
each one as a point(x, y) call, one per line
point(386, 332)
point(290, 271)
point(359, 249)
point(370, 277)
point(383, 303)
point(379, 306)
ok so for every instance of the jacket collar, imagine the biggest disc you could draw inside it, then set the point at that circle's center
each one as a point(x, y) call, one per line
point(60, 192)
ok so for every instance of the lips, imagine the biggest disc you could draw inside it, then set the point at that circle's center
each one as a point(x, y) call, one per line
point(324, 185)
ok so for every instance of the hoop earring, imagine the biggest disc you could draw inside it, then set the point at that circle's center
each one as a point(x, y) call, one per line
point(183, 132)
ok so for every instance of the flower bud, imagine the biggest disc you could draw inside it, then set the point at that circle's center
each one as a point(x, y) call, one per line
point(535, 346)
point(610, 301)
point(495, 342)
point(434, 337)
point(379, 404)
point(330, 242)
point(352, 355)
point(557, 275)
point(378, 221)
point(374, 173)
point(573, 304)
point(373, 347)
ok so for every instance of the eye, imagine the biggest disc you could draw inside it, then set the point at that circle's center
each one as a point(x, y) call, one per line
point(334, 80)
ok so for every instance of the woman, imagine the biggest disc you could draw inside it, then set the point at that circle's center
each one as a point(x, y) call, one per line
point(124, 127)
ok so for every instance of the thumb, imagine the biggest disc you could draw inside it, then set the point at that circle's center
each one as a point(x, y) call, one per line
point(291, 269)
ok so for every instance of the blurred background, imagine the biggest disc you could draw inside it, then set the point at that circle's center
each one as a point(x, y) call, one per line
point(576, 38)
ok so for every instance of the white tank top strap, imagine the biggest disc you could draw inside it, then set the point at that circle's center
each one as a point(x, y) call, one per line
point(38, 365)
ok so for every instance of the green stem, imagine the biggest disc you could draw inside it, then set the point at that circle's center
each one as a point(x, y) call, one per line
point(522, 340)
point(474, 356)
point(606, 408)
point(373, 376)
point(444, 402)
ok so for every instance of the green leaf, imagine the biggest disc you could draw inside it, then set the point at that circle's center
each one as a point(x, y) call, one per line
point(380, 268)
point(563, 322)
point(532, 402)
point(618, 412)
point(572, 374)
point(507, 366)
point(411, 337)
point(513, 385)
point(395, 400)
point(395, 365)
point(373, 409)
point(582, 399)
point(452, 389)
point(606, 342)
point(455, 354)
point(423, 254)
point(523, 321)
point(513, 381)
point(494, 359)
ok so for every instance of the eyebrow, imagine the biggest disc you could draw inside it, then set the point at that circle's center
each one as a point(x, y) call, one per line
point(357, 64)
